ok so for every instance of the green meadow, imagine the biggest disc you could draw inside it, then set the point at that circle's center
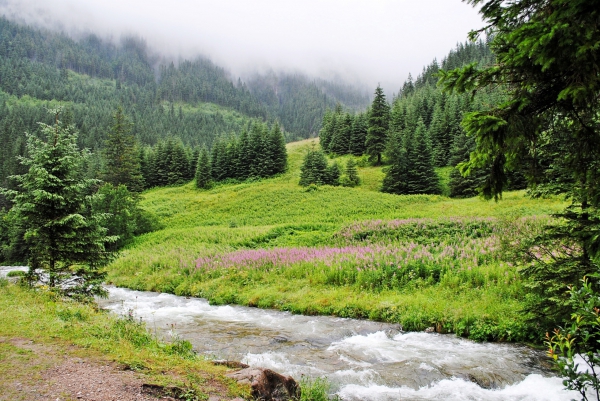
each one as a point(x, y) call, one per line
point(420, 261)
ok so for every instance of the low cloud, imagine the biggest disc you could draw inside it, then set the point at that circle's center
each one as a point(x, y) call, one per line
point(374, 41)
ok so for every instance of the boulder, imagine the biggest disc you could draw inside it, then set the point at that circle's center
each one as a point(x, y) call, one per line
point(267, 385)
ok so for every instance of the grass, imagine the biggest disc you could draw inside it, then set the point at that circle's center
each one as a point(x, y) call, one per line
point(246, 232)
point(84, 331)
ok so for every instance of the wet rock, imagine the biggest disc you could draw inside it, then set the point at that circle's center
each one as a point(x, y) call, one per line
point(267, 385)
point(279, 339)
point(430, 330)
point(230, 364)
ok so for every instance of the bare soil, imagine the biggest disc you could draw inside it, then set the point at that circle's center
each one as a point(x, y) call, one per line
point(39, 372)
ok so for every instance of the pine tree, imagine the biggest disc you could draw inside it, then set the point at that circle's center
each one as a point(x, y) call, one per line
point(358, 135)
point(122, 163)
point(350, 178)
point(53, 204)
point(278, 150)
point(332, 174)
point(203, 171)
point(464, 186)
point(314, 168)
point(378, 126)
point(395, 180)
point(421, 176)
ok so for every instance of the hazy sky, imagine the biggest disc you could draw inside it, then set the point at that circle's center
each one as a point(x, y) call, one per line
point(368, 40)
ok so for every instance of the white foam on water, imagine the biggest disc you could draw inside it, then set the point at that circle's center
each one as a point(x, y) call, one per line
point(148, 306)
point(424, 347)
point(533, 388)
point(359, 365)
point(427, 367)
point(353, 376)
point(4, 270)
point(280, 363)
point(354, 362)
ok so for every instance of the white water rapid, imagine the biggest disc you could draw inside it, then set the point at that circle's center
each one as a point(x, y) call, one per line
point(363, 360)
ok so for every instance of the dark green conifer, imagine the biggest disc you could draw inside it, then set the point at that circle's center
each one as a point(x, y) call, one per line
point(65, 237)
point(122, 165)
point(358, 135)
point(421, 176)
point(378, 126)
point(278, 150)
point(203, 171)
point(350, 178)
point(314, 168)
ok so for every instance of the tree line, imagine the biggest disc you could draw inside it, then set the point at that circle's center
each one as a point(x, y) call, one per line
point(194, 100)
point(419, 131)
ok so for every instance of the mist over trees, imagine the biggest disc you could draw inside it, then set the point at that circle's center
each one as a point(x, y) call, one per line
point(194, 100)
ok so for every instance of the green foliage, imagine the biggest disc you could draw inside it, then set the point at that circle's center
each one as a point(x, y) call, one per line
point(203, 171)
point(314, 170)
point(350, 177)
point(125, 218)
point(579, 342)
point(53, 205)
point(547, 54)
point(122, 165)
point(378, 125)
point(484, 302)
point(315, 390)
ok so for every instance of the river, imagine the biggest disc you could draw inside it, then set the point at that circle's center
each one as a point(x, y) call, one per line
point(363, 360)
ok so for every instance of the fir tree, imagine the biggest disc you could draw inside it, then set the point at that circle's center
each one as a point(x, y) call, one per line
point(203, 171)
point(395, 180)
point(53, 205)
point(358, 135)
point(421, 176)
point(278, 150)
point(121, 156)
point(314, 168)
point(332, 174)
point(350, 178)
point(378, 126)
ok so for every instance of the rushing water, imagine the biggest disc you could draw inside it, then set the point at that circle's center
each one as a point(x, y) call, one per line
point(363, 360)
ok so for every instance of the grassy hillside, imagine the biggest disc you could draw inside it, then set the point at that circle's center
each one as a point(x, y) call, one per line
point(417, 260)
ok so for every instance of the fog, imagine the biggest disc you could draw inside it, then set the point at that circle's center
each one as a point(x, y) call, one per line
point(362, 41)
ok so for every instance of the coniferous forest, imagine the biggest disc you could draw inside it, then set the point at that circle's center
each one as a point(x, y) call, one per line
point(192, 102)
point(466, 201)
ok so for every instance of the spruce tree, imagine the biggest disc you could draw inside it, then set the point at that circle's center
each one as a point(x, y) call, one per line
point(350, 178)
point(314, 168)
point(421, 176)
point(203, 171)
point(464, 186)
point(122, 166)
point(358, 135)
point(378, 126)
point(53, 205)
point(395, 180)
point(332, 174)
point(278, 150)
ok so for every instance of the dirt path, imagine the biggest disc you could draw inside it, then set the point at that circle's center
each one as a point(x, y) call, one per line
point(39, 372)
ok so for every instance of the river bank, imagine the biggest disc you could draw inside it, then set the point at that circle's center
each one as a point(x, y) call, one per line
point(55, 349)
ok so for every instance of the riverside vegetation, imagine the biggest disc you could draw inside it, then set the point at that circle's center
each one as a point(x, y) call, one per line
point(45, 318)
point(421, 261)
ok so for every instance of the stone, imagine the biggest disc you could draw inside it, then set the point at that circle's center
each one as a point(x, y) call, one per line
point(267, 385)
